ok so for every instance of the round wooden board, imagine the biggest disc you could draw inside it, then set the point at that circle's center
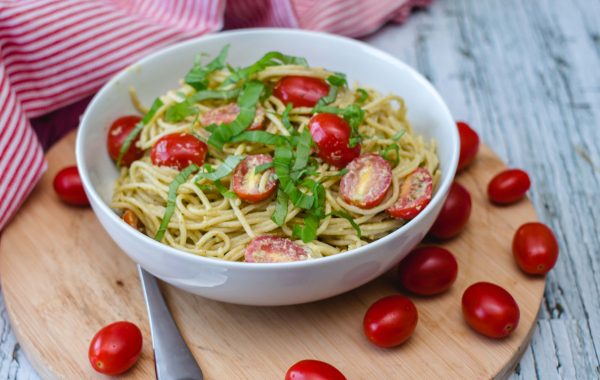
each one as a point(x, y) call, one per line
point(63, 278)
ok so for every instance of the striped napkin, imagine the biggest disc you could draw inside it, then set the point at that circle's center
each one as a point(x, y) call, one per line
point(53, 53)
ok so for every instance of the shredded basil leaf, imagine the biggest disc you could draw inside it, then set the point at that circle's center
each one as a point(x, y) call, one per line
point(336, 81)
point(350, 220)
point(225, 192)
point(223, 170)
point(362, 95)
point(262, 167)
point(302, 150)
point(260, 137)
point(385, 154)
point(273, 58)
point(197, 77)
point(179, 111)
point(398, 135)
point(138, 128)
point(285, 119)
point(281, 208)
point(308, 231)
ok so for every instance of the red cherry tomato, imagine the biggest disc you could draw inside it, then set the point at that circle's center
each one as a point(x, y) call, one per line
point(69, 188)
point(115, 348)
point(367, 182)
point(274, 249)
point(490, 310)
point(428, 270)
point(249, 185)
point(390, 321)
point(331, 133)
point(415, 194)
point(313, 370)
point(469, 145)
point(118, 132)
point(300, 91)
point(454, 215)
point(508, 186)
point(228, 113)
point(178, 150)
point(535, 248)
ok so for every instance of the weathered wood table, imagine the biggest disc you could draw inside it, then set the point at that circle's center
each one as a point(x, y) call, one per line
point(526, 75)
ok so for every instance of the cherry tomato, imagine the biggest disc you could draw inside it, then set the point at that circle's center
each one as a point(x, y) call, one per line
point(115, 348)
point(535, 248)
point(69, 188)
point(313, 370)
point(178, 150)
point(428, 270)
point(415, 194)
point(250, 186)
point(390, 321)
point(228, 113)
point(331, 133)
point(508, 186)
point(454, 215)
point(469, 145)
point(130, 218)
point(367, 182)
point(490, 310)
point(117, 133)
point(274, 249)
point(300, 91)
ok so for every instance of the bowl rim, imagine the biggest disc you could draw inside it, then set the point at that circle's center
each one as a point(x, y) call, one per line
point(104, 208)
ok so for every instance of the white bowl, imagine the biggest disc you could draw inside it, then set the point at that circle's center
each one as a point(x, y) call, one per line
point(255, 283)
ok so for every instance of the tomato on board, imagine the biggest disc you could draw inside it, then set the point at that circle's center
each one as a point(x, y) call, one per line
point(490, 310)
point(331, 133)
point(300, 91)
point(178, 150)
point(367, 182)
point(508, 186)
point(274, 249)
point(535, 248)
point(415, 194)
point(117, 133)
point(69, 188)
point(469, 145)
point(228, 113)
point(251, 186)
point(310, 369)
point(115, 348)
point(390, 321)
point(428, 270)
point(454, 214)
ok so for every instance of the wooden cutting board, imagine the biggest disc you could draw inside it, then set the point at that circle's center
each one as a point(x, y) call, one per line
point(63, 279)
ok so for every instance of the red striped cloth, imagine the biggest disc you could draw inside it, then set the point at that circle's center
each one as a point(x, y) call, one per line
point(56, 52)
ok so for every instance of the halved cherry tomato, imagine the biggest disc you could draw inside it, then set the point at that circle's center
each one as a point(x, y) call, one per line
point(274, 249)
point(117, 133)
point(508, 186)
point(490, 310)
point(300, 91)
point(390, 321)
point(415, 194)
point(178, 150)
point(130, 218)
point(69, 188)
point(313, 370)
point(368, 179)
point(535, 248)
point(228, 113)
point(115, 348)
point(428, 270)
point(331, 133)
point(454, 215)
point(469, 145)
point(250, 186)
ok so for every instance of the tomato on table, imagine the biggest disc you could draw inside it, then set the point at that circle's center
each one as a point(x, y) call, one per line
point(490, 310)
point(69, 188)
point(509, 186)
point(311, 369)
point(332, 134)
point(535, 248)
point(390, 321)
point(178, 150)
point(469, 145)
point(367, 182)
point(415, 194)
point(274, 249)
point(117, 133)
point(115, 348)
point(300, 91)
point(428, 270)
point(454, 214)
point(228, 113)
point(251, 186)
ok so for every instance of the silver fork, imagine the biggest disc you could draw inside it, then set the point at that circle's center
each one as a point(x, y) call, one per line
point(172, 357)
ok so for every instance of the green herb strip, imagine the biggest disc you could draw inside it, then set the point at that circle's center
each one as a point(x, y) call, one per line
point(281, 208)
point(222, 171)
point(259, 137)
point(138, 128)
point(273, 58)
point(197, 77)
point(350, 220)
point(353, 114)
point(362, 95)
